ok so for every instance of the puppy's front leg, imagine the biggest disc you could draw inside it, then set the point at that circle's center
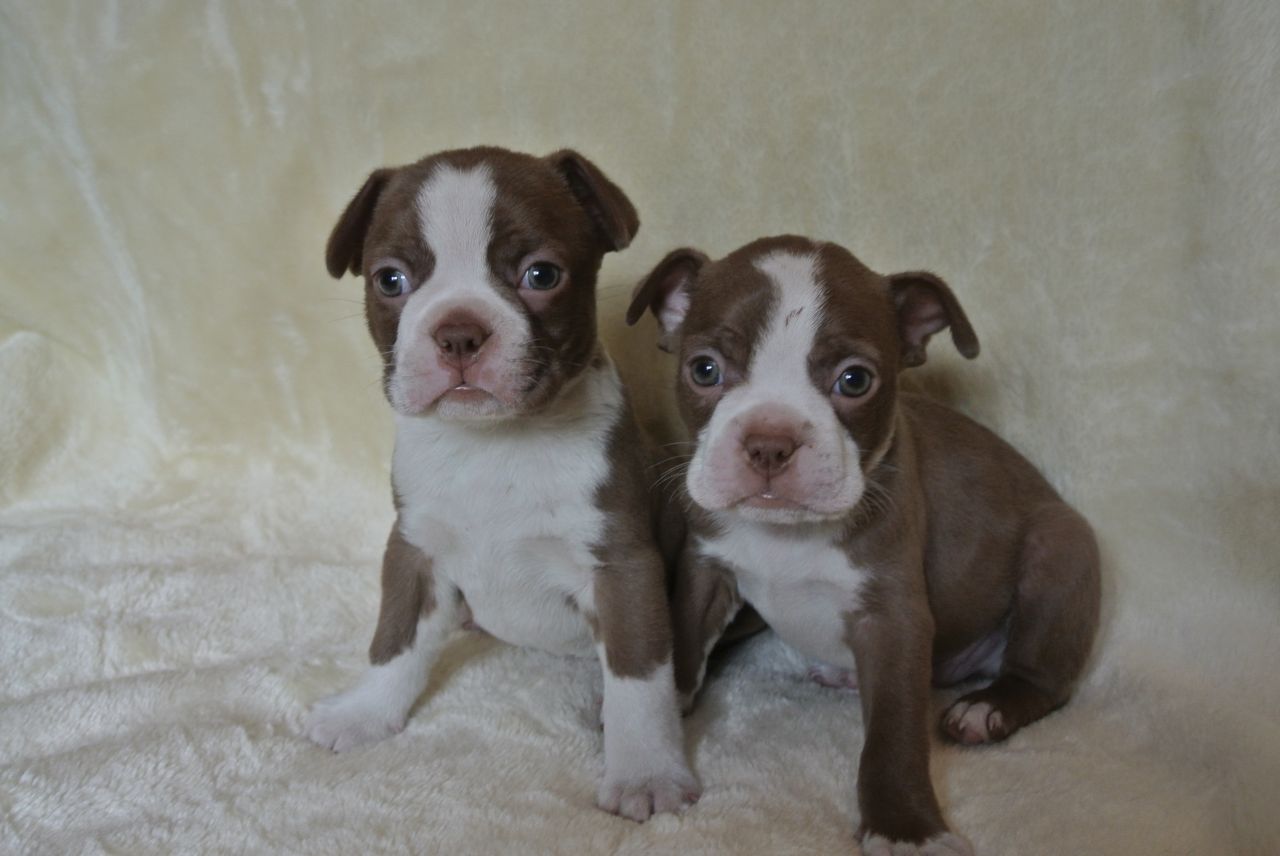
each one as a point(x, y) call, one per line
point(900, 813)
point(703, 603)
point(414, 621)
point(644, 763)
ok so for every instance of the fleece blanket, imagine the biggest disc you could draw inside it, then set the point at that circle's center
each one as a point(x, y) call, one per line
point(193, 447)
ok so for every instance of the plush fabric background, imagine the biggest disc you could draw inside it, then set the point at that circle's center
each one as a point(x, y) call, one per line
point(193, 448)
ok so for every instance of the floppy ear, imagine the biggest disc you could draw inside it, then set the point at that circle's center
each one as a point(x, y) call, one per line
point(665, 293)
point(613, 214)
point(926, 305)
point(346, 242)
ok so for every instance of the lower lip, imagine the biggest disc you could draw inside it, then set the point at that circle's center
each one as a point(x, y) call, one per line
point(465, 392)
point(768, 500)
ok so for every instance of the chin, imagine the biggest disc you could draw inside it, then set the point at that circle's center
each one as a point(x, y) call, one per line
point(461, 405)
point(472, 405)
point(774, 509)
point(782, 512)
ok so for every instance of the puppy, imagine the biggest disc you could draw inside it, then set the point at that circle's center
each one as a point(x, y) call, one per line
point(518, 475)
point(886, 537)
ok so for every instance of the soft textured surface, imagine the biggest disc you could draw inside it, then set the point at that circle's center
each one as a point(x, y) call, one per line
point(193, 450)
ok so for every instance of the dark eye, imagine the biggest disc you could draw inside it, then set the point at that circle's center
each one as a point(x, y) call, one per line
point(542, 276)
point(704, 371)
point(391, 282)
point(854, 382)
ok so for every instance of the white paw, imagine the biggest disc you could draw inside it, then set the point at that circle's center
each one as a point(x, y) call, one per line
point(972, 723)
point(640, 797)
point(350, 719)
point(834, 677)
point(946, 844)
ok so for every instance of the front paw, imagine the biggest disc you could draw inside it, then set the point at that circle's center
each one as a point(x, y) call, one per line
point(942, 844)
point(640, 797)
point(347, 720)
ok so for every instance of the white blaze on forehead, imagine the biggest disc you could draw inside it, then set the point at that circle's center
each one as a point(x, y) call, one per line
point(783, 350)
point(455, 208)
point(455, 213)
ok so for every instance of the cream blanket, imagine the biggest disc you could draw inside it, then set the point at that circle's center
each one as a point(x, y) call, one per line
point(193, 449)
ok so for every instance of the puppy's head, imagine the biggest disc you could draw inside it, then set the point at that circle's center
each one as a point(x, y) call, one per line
point(789, 354)
point(480, 270)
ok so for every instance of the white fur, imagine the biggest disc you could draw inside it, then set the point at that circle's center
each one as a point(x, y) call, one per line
point(796, 579)
point(645, 769)
point(454, 209)
point(377, 706)
point(833, 677)
point(945, 844)
point(507, 511)
point(778, 394)
point(972, 722)
point(672, 311)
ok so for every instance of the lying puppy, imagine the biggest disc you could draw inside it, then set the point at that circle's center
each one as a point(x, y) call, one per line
point(879, 533)
point(518, 474)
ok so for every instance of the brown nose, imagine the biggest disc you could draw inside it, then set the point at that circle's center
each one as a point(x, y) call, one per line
point(460, 342)
point(769, 453)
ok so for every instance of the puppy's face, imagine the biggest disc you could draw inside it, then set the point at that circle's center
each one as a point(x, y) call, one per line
point(480, 268)
point(789, 354)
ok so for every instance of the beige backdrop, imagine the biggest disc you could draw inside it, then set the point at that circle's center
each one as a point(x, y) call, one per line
point(193, 448)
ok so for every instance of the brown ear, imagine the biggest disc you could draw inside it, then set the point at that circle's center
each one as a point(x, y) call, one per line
point(613, 214)
point(926, 305)
point(665, 293)
point(346, 242)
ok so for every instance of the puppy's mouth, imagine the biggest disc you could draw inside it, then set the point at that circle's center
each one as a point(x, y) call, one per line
point(456, 398)
point(768, 499)
point(772, 505)
point(467, 401)
point(465, 393)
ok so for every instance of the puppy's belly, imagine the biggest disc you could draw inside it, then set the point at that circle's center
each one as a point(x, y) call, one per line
point(798, 582)
point(520, 589)
point(529, 616)
point(809, 616)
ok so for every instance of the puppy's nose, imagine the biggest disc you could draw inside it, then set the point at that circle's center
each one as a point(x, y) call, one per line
point(769, 454)
point(459, 341)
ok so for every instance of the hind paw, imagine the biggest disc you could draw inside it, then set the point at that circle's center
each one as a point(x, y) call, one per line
point(973, 723)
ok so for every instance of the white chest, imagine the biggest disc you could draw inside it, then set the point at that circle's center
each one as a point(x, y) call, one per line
point(798, 582)
point(508, 515)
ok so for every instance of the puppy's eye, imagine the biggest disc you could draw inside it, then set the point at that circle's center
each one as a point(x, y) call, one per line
point(704, 371)
point(391, 282)
point(854, 382)
point(541, 276)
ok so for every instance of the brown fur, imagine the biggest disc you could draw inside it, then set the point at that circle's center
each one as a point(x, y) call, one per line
point(632, 619)
point(703, 603)
point(407, 594)
point(565, 205)
point(562, 203)
point(959, 533)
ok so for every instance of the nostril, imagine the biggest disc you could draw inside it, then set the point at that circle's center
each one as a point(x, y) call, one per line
point(769, 453)
point(460, 340)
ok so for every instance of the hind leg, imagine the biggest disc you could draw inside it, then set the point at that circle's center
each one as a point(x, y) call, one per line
point(1051, 629)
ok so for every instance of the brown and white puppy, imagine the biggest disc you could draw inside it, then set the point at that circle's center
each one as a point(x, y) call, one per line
point(886, 537)
point(518, 473)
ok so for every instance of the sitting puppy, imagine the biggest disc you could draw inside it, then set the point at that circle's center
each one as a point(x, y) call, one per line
point(883, 535)
point(518, 474)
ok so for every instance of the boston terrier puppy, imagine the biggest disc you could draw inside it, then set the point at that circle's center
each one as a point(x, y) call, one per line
point(519, 473)
point(889, 539)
